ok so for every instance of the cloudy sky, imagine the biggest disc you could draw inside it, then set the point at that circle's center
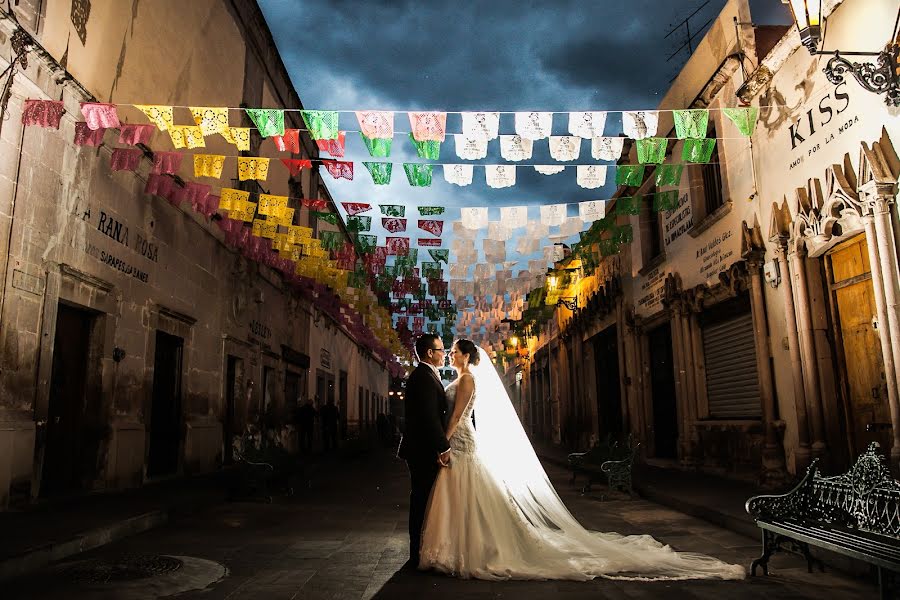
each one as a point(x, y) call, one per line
point(502, 55)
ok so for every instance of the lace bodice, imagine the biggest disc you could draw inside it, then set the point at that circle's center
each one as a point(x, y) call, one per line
point(463, 439)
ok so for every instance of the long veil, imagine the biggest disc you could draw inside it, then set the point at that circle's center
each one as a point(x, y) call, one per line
point(510, 460)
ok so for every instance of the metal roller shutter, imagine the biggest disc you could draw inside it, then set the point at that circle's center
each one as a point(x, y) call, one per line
point(732, 387)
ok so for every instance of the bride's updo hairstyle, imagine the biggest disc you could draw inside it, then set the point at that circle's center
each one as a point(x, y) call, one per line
point(468, 348)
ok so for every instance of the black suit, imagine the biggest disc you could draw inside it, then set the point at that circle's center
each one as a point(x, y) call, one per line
point(423, 440)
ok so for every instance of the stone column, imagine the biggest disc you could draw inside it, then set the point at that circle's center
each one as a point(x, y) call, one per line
point(690, 378)
point(774, 471)
point(680, 388)
point(808, 349)
point(803, 453)
point(625, 378)
point(881, 198)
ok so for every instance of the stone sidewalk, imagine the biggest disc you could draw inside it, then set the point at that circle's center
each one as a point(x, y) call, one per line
point(346, 538)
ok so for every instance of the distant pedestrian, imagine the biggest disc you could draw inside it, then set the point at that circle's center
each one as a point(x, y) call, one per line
point(329, 415)
point(306, 418)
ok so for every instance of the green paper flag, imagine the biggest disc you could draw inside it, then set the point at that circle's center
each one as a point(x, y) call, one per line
point(418, 174)
point(377, 147)
point(690, 123)
point(393, 210)
point(324, 216)
point(356, 279)
point(431, 270)
point(440, 255)
point(628, 205)
point(431, 210)
point(268, 121)
point(668, 174)
point(322, 124)
point(331, 240)
point(698, 151)
point(744, 117)
point(380, 172)
point(629, 174)
point(366, 244)
point(428, 149)
point(359, 223)
point(651, 150)
point(665, 200)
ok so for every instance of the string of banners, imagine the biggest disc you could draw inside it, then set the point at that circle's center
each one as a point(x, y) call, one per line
point(376, 130)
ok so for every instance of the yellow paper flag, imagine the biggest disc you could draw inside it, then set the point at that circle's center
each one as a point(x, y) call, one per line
point(253, 167)
point(208, 165)
point(210, 120)
point(230, 199)
point(268, 203)
point(239, 136)
point(188, 136)
point(160, 115)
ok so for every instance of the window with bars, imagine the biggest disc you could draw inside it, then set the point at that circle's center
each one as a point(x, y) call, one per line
point(711, 173)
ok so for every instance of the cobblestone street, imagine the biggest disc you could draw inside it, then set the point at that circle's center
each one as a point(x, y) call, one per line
point(345, 537)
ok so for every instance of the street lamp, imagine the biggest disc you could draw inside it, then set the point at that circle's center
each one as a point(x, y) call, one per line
point(880, 77)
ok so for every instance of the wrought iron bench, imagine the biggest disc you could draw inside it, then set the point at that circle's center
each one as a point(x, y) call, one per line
point(605, 460)
point(856, 514)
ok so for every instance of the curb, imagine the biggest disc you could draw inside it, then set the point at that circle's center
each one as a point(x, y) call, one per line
point(39, 557)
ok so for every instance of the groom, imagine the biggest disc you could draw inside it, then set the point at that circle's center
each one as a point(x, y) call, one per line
point(424, 447)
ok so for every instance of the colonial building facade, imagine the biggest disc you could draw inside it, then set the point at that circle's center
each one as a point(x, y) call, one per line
point(136, 344)
point(755, 326)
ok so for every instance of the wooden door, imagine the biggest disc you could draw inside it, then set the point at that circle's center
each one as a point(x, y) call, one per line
point(863, 368)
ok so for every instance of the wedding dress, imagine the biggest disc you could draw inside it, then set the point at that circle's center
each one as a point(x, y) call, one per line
point(493, 514)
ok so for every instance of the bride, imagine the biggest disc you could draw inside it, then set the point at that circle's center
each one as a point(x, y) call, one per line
point(493, 513)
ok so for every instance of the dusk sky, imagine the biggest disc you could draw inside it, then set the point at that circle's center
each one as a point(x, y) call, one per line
point(493, 56)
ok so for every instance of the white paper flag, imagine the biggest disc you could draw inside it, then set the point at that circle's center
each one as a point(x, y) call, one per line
point(460, 175)
point(515, 147)
point(571, 226)
point(534, 125)
point(498, 231)
point(640, 124)
point(587, 124)
point(565, 147)
point(494, 251)
point(607, 148)
point(459, 271)
point(553, 214)
point(474, 218)
point(590, 176)
point(470, 148)
point(482, 271)
point(462, 232)
point(483, 125)
point(527, 245)
point(500, 176)
point(554, 253)
point(514, 216)
point(549, 169)
point(592, 210)
point(537, 230)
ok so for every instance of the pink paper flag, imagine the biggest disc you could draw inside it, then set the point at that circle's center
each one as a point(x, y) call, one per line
point(166, 162)
point(84, 136)
point(43, 113)
point(339, 169)
point(125, 159)
point(135, 134)
point(333, 147)
point(432, 226)
point(354, 208)
point(99, 115)
point(428, 126)
point(393, 224)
